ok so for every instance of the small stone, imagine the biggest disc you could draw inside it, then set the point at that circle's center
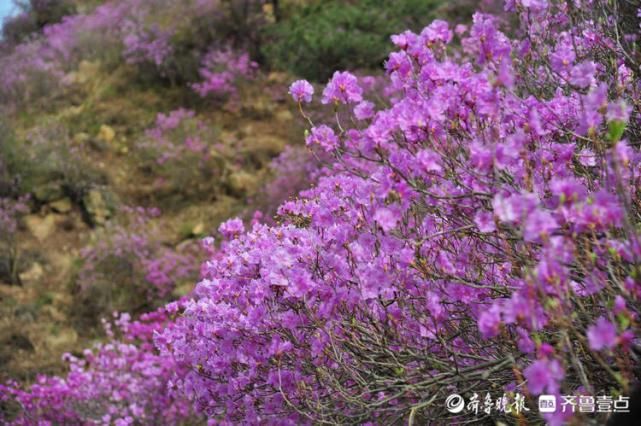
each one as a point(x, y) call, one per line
point(86, 71)
point(267, 145)
point(53, 313)
point(284, 115)
point(97, 208)
point(228, 137)
point(48, 192)
point(34, 273)
point(199, 229)
point(277, 77)
point(81, 138)
point(64, 339)
point(61, 206)
point(106, 133)
point(241, 183)
point(40, 227)
point(182, 290)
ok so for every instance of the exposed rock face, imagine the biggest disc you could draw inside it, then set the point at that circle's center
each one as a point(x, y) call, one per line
point(106, 134)
point(40, 227)
point(98, 206)
point(62, 205)
point(34, 273)
point(48, 192)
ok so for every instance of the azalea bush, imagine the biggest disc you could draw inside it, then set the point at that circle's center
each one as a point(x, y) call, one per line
point(220, 72)
point(122, 382)
point(46, 164)
point(165, 40)
point(477, 234)
point(179, 153)
point(128, 268)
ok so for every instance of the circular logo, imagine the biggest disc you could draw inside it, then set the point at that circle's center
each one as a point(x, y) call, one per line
point(455, 403)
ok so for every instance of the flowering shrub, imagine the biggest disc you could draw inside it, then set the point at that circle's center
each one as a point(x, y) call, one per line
point(179, 151)
point(129, 269)
point(16, 29)
point(25, 75)
point(474, 236)
point(220, 71)
point(37, 67)
point(152, 45)
point(133, 30)
point(120, 383)
point(45, 157)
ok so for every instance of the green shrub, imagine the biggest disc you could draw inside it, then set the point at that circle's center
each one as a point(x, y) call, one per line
point(44, 164)
point(48, 12)
point(315, 39)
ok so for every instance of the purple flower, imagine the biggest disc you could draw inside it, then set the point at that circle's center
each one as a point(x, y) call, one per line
point(593, 103)
point(562, 58)
point(525, 343)
point(490, 322)
point(514, 207)
point(231, 228)
point(536, 5)
point(602, 335)
point(505, 76)
point(544, 375)
point(587, 158)
point(618, 111)
point(619, 305)
point(342, 88)
point(539, 224)
point(364, 110)
point(403, 40)
point(437, 31)
point(429, 161)
point(399, 63)
point(324, 136)
point(386, 218)
point(568, 190)
point(582, 75)
point(301, 91)
point(485, 221)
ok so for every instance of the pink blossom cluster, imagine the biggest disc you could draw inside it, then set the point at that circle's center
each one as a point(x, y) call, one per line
point(135, 30)
point(123, 382)
point(472, 235)
point(10, 212)
point(180, 151)
point(220, 71)
point(152, 45)
point(176, 134)
point(182, 154)
point(132, 247)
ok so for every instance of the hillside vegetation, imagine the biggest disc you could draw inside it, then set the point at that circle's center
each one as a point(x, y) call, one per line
point(306, 212)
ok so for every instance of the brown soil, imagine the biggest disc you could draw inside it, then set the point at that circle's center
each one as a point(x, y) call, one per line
point(36, 326)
